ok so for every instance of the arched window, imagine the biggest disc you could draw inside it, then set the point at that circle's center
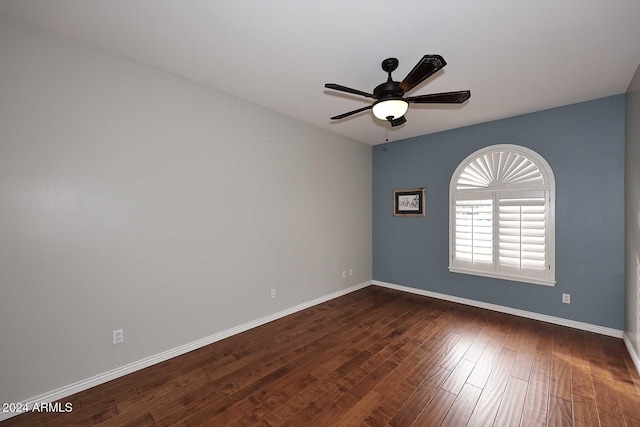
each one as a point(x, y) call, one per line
point(502, 215)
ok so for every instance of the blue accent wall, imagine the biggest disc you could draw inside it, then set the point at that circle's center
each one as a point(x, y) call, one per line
point(583, 143)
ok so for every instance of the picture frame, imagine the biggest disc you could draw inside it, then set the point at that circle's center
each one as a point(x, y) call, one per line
point(410, 202)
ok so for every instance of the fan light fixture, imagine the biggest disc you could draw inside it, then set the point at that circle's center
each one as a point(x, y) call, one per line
point(391, 108)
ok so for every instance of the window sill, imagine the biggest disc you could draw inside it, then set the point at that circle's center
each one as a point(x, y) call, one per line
point(532, 280)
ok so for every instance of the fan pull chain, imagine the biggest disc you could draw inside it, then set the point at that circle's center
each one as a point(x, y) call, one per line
point(386, 128)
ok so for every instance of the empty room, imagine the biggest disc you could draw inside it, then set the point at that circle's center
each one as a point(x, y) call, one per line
point(356, 213)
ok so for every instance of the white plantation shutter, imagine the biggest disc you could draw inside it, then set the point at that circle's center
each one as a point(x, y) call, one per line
point(503, 168)
point(502, 215)
point(474, 232)
point(522, 233)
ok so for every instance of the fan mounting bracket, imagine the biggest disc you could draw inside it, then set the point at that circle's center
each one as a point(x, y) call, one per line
point(390, 64)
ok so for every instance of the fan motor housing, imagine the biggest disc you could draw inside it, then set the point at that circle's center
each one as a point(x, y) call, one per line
point(388, 90)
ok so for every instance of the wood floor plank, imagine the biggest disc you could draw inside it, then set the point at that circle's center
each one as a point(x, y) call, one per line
point(217, 400)
point(222, 415)
point(633, 373)
point(489, 402)
point(458, 377)
point(333, 412)
point(436, 410)
point(462, 407)
point(560, 412)
point(536, 404)
point(560, 335)
point(608, 419)
point(483, 367)
point(516, 333)
point(305, 404)
point(364, 386)
point(415, 369)
point(477, 348)
point(512, 403)
point(415, 404)
point(541, 362)
point(532, 334)
point(560, 377)
point(606, 395)
point(585, 413)
point(577, 347)
point(626, 397)
point(277, 400)
point(330, 389)
point(376, 357)
point(600, 367)
point(631, 422)
point(522, 366)
point(545, 338)
point(581, 380)
point(361, 410)
point(425, 370)
point(142, 421)
point(381, 415)
point(455, 354)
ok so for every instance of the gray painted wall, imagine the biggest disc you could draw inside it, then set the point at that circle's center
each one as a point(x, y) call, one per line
point(632, 217)
point(130, 198)
point(583, 143)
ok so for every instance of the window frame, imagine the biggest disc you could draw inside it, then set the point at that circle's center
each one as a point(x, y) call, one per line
point(496, 189)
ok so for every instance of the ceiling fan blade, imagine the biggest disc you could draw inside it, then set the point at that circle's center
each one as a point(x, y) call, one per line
point(428, 65)
point(350, 113)
point(441, 98)
point(348, 90)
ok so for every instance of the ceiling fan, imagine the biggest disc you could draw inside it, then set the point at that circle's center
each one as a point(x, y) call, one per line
point(390, 102)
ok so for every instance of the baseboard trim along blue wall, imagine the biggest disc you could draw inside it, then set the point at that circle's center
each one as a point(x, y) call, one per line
point(508, 310)
point(584, 145)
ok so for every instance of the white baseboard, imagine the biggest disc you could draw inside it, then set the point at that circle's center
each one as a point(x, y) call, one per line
point(502, 309)
point(632, 352)
point(104, 377)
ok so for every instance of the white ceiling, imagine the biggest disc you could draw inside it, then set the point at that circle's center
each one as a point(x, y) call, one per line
point(515, 56)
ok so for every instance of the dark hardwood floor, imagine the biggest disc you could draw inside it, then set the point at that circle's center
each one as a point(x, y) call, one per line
point(377, 357)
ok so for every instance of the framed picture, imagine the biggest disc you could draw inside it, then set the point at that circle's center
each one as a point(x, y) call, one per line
point(410, 202)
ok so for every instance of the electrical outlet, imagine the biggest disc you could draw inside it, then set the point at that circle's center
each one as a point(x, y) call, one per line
point(351, 272)
point(566, 298)
point(344, 273)
point(273, 293)
point(118, 336)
